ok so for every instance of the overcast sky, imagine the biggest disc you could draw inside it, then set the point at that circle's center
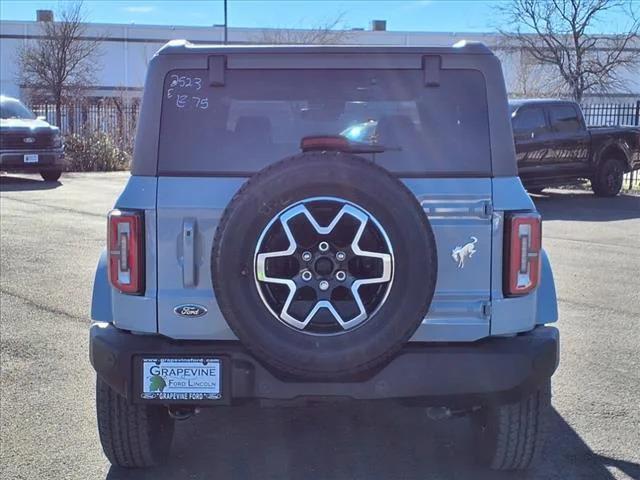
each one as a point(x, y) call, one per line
point(409, 15)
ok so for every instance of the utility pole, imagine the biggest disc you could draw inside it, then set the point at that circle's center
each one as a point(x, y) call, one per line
point(225, 22)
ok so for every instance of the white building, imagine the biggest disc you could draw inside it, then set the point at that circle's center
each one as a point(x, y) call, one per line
point(127, 49)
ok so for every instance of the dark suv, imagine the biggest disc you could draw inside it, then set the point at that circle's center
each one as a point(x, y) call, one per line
point(28, 143)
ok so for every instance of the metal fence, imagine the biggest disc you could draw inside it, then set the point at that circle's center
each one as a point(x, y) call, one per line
point(599, 114)
point(114, 118)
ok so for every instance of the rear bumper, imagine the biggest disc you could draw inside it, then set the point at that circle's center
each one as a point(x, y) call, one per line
point(13, 160)
point(495, 370)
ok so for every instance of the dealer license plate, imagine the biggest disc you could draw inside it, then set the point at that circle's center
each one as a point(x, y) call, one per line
point(181, 378)
point(31, 158)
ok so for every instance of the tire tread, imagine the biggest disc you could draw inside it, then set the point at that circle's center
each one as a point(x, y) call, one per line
point(598, 181)
point(125, 430)
point(51, 175)
point(518, 430)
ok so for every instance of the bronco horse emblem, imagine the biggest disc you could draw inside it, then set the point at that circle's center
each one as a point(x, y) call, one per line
point(461, 253)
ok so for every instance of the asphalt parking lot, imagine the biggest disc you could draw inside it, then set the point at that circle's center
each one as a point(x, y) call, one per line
point(51, 236)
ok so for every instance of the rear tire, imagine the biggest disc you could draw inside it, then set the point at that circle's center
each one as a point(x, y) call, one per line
point(132, 436)
point(608, 179)
point(51, 175)
point(511, 436)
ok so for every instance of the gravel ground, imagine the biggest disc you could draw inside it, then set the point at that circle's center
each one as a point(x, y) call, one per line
point(51, 236)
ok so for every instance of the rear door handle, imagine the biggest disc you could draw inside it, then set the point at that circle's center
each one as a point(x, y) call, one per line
point(188, 252)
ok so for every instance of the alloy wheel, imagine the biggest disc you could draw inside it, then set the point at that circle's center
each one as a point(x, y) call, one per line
point(323, 266)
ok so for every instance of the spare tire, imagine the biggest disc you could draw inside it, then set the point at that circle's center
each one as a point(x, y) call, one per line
point(324, 265)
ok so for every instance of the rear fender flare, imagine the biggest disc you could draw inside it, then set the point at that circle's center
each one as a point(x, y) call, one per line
point(546, 301)
point(101, 301)
point(614, 149)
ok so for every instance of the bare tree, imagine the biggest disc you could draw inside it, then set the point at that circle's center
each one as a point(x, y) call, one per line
point(526, 77)
point(558, 33)
point(62, 61)
point(530, 78)
point(328, 33)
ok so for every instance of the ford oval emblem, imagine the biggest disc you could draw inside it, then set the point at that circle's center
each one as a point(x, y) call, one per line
point(29, 140)
point(190, 310)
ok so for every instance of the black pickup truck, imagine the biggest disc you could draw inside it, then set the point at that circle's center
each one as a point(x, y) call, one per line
point(555, 147)
point(28, 143)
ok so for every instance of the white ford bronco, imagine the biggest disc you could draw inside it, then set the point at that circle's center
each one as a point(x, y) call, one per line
point(265, 250)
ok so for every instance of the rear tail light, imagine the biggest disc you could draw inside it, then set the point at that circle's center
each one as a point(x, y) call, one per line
point(126, 251)
point(523, 242)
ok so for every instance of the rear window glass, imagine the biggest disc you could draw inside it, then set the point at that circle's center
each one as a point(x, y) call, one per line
point(564, 118)
point(259, 117)
point(529, 119)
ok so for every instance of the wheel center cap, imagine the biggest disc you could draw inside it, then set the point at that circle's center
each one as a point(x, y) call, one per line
point(323, 266)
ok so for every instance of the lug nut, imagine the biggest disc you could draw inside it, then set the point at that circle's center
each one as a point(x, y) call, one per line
point(306, 275)
point(324, 246)
point(340, 276)
point(306, 256)
point(340, 256)
point(324, 285)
